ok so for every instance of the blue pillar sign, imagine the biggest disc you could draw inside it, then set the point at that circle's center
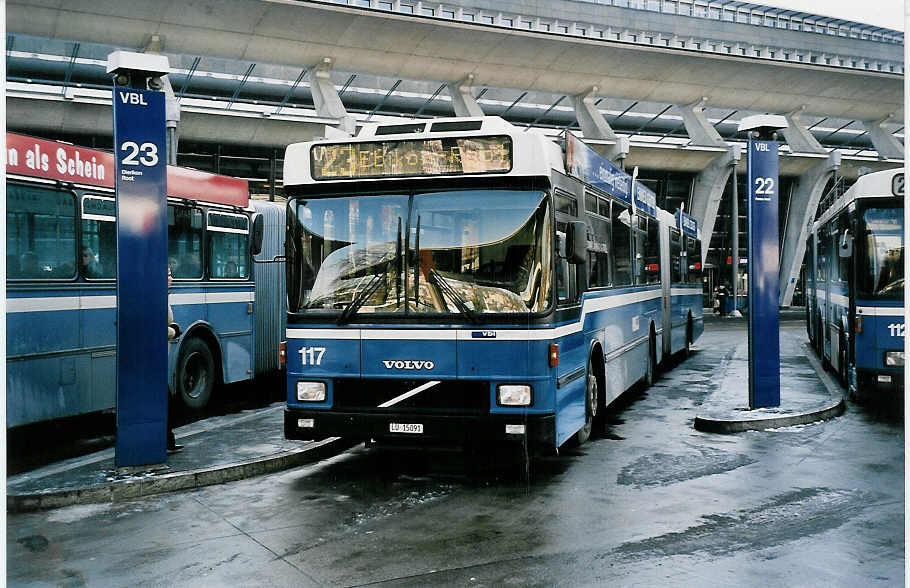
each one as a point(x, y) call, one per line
point(764, 260)
point(141, 184)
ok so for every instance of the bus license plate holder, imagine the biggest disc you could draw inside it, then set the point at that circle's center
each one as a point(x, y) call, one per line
point(408, 428)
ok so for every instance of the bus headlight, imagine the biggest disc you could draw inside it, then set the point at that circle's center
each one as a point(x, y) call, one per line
point(894, 358)
point(513, 395)
point(310, 391)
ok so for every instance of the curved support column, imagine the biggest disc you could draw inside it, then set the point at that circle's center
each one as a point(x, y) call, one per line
point(325, 97)
point(803, 206)
point(709, 189)
point(463, 100)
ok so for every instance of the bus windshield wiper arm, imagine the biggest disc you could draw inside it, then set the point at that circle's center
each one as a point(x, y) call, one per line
point(447, 290)
point(360, 298)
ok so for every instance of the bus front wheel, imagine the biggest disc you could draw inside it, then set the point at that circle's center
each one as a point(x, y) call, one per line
point(592, 400)
point(195, 374)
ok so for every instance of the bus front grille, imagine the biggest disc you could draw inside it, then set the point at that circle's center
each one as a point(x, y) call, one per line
point(444, 397)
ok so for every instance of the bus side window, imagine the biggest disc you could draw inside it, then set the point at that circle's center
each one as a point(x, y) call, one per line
point(98, 255)
point(184, 241)
point(621, 239)
point(566, 283)
point(228, 245)
point(675, 257)
point(639, 251)
point(598, 251)
point(40, 232)
point(823, 249)
point(652, 252)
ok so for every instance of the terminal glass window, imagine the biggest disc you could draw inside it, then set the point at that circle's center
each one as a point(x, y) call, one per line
point(184, 242)
point(98, 252)
point(229, 245)
point(40, 233)
point(621, 239)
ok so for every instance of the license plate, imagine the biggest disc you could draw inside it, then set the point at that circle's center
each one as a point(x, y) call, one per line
point(406, 428)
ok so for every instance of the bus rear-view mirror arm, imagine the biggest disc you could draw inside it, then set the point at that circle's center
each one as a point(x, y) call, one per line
point(276, 259)
point(846, 245)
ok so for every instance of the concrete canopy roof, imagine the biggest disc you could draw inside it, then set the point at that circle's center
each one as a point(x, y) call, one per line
point(301, 34)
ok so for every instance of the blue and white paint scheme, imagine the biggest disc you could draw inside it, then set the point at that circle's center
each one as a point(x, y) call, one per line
point(61, 341)
point(854, 284)
point(513, 299)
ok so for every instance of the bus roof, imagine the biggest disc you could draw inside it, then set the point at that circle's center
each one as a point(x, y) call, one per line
point(883, 184)
point(40, 158)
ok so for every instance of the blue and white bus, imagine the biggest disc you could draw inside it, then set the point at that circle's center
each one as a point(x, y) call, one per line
point(855, 285)
point(61, 282)
point(462, 280)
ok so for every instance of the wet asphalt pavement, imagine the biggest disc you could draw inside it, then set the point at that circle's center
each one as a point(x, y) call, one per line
point(649, 502)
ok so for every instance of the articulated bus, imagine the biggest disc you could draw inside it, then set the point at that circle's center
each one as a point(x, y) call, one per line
point(467, 281)
point(855, 286)
point(61, 247)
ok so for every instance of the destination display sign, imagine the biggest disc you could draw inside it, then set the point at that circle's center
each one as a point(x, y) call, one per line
point(645, 199)
point(412, 157)
point(586, 164)
point(687, 224)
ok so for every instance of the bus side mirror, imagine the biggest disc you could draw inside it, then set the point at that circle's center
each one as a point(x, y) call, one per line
point(576, 242)
point(846, 245)
point(258, 229)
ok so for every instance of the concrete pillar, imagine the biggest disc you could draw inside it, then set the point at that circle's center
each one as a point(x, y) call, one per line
point(155, 45)
point(710, 182)
point(463, 100)
point(700, 131)
point(802, 208)
point(595, 126)
point(325, 96)
point(887, 145)
point(799, 138)
point(708, 191)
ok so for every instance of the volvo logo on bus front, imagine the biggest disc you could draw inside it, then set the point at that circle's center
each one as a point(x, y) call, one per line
point(407, 364)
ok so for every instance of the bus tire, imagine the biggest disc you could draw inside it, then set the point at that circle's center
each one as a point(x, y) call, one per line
point(651, 371)
point(842, 361)
point(688, 349)
point(592, 402)
point(195, 374)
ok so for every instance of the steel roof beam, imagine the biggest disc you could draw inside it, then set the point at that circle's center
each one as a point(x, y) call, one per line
point(383, 101)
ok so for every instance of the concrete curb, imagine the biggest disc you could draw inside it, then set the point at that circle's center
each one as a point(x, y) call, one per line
point(833, 408)
point(158, 484)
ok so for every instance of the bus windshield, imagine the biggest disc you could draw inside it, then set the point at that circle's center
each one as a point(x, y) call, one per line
point(467, 252)
point(881, 271)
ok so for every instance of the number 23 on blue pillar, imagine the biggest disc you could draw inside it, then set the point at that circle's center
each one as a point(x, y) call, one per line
point(141, 183)
point(764, 261)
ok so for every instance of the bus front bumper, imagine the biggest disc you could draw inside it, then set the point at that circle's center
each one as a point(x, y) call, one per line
point(420, 428)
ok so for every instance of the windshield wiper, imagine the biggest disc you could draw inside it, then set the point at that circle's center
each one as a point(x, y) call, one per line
point(361, 298)
point(440, 282)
